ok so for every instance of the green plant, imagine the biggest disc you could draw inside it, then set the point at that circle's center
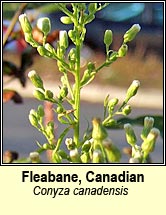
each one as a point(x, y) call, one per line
point(94, 146)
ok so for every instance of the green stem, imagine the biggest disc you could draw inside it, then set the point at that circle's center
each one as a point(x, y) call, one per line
point(77, 95)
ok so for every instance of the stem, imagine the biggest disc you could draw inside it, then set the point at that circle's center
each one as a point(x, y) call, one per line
point(77, 94)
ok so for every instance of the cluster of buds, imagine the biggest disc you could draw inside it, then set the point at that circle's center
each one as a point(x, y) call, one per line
point(140, 154)
point(36, 120)
point(40, 93)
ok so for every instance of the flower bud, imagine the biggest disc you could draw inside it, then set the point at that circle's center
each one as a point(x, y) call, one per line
point(130, 135)
point(59, 109)
point(98, 132)
point(25, 24)
point(49, 94)
point(38, 95)
point(72, 35)
point(86, 146)
point(134, 160)
point(109, 123)
point(112, 152)
point(50, 130)
point(111, 105)
point(88, 76)
point(66, 20)
point(29, 39)
point(44, 25)
point(49, 48)
point(72, 55)
point(108, 37)
point(122, 50)
point(91, 66)
point(149, 143)
point(132, 90)
point(33, 120)
point(92, 7)
point(34, 156)
point(148, 125)
point(36, 80)
point(97, 156)
point(63, 39)
point(40, 111)
point(63, 93)
point(74, 155)
point(85, 157)
point(44, 52)
point(46, 146)
point(126, 110)
point(113, 57)
point(131, 33)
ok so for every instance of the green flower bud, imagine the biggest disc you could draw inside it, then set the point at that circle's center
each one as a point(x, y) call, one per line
point(59, 109)
point(40, 111)
point(49, 48)
point(29, 39)
point(92, 8)
point(49, 94)
point(111, 105)
point(46, 146)
point(66, 20)
point(35, 158)
point(32, 111)
point(38, 95)
point(113, 57)
point(50, 129)
point(131, 33)
point(25, 24)
point(149, 143)
point(132, 90)
point(33, 120)
point(88, 76)
point(63, 39)
point(148, 125)
point(72, 35)
point(91, 66)
point(36, 80)
point(126, 110)
point(98, 132)
point(122, 50)
point(72, 55)
point(44, 52)
point(85, 158)
point(63, 93)
point(97, 156)
point(108, 37)
point(112, 152)
point(86, 146)
point(109, 123)
point(44, 25)
point(130, 135)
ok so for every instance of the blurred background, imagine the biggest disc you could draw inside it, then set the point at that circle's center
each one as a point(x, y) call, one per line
point(144, 61)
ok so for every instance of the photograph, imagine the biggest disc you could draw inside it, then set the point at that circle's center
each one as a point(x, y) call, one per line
point(83, 83)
